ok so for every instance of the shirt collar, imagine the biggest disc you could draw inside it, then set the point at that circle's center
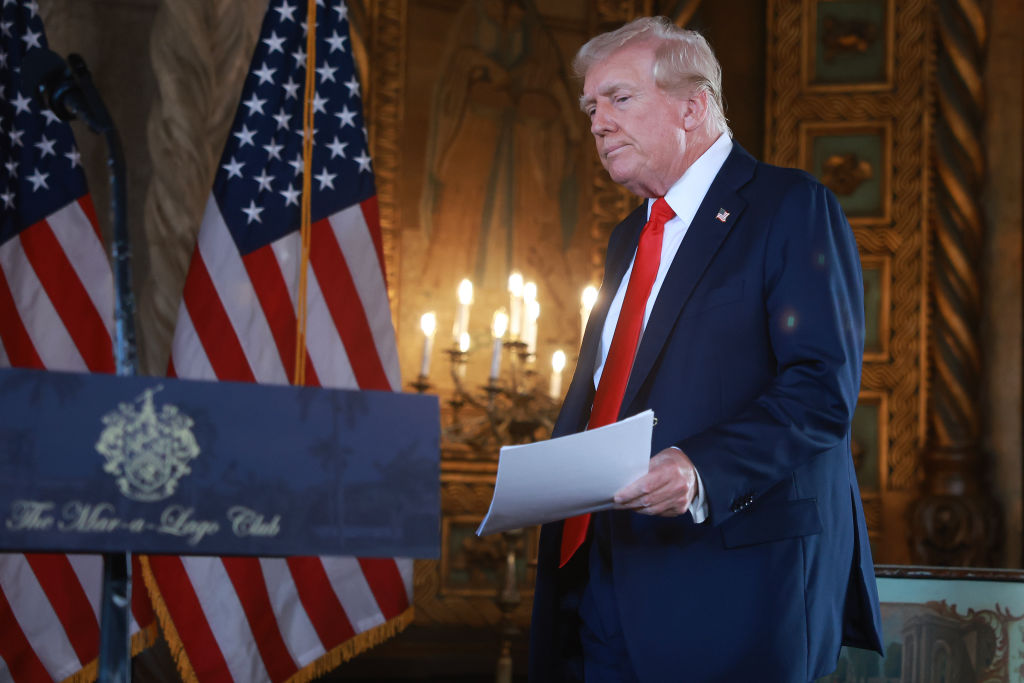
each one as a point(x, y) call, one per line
point(686, 195)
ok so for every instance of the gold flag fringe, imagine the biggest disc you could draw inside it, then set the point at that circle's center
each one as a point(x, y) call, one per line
point(359, 643)
point(143, 639)
point(140, 641)
point(174, 644)
point(87, 674)
point(355, 645)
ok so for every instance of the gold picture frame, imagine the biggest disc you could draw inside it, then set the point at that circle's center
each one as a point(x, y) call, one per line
point(848, 45)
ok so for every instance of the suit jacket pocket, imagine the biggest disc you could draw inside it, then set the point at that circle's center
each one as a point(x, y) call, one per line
point(716, 297)
point(772, 522)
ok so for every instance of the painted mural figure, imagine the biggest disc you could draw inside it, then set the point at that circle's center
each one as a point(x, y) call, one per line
point(500, 190)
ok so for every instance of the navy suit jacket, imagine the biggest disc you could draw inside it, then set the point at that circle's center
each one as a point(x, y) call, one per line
point(751, 361)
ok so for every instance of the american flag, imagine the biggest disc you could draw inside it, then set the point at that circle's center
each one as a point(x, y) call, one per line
point(248, 619)
point(56, 312)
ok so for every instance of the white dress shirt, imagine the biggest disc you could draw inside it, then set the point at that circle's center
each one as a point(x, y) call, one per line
point(685, 197)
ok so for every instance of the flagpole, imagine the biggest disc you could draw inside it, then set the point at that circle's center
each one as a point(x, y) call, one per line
point(305, 231)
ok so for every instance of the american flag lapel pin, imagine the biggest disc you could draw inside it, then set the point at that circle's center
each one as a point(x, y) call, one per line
point(722, 215)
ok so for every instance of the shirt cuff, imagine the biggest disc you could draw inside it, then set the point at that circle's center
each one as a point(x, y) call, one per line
point(699, 505)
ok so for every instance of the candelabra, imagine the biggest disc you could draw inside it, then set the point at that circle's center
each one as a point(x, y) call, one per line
point(511, 408)
point(508, 600)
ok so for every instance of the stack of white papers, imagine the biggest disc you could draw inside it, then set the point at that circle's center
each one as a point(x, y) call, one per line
point(572, 475)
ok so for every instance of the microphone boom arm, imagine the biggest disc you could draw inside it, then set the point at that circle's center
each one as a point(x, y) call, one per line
point(69, 91)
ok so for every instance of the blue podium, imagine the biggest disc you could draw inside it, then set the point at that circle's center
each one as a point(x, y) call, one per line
point(113, 464)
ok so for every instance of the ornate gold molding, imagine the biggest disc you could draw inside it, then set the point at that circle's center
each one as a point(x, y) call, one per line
point(385, 39)
point(799, 104)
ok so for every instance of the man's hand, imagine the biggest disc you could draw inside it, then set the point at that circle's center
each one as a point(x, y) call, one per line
point(667, 489)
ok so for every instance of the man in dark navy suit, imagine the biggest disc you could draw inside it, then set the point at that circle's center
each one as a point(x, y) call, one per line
point(732, 307)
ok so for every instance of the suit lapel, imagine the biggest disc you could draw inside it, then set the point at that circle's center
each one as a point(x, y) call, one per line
point(705, 235)
point(578, 399)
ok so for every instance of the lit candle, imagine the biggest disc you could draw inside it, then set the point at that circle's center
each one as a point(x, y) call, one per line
point(587, 302)
point(557, 365)
point(515, 307)
point(530, 291)
point(498, 327)
point(529, 320)
point(463, 347)
point(428, 323)
point(465, 298)
point(530, 326)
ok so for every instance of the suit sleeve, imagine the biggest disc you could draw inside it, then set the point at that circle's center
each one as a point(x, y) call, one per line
point(813, 295)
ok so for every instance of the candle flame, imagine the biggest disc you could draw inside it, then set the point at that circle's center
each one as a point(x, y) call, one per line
point(464, 342)
point(515, 283)
point(533, 309)
point(558, 360)
point(589, 297)
point(428, 323)
point(465, 292)
point(499, 324)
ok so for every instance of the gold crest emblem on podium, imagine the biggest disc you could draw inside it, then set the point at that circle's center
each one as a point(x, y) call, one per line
point(148, 451)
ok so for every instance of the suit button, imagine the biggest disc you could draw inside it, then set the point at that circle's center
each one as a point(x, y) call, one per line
point(742, 503)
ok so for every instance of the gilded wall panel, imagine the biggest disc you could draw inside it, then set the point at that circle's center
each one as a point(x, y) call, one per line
point(846, 92)
point(848, 45)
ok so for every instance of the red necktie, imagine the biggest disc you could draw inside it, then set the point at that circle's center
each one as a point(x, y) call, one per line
point(615, 376)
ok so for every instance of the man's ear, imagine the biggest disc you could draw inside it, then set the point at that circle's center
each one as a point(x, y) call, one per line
point(695, 110)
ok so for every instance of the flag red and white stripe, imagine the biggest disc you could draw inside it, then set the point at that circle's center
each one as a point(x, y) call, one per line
point(252, 620)
point(57, 294)
point(247, 619)
point(49, 616)
point(245, 307)
point(56, 313)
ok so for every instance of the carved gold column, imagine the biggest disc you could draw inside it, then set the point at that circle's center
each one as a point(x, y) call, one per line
point(385, 38)
point(956, 521)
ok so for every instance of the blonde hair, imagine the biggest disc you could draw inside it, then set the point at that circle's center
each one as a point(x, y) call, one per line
point(684, 62)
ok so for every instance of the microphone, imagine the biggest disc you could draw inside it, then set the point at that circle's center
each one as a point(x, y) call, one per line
point(63, 87)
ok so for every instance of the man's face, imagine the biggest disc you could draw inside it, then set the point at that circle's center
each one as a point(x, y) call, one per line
point(638, 128)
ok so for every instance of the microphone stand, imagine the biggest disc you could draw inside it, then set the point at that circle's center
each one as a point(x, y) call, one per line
point(115, 607)
point(98, 119)
point(76, 95)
